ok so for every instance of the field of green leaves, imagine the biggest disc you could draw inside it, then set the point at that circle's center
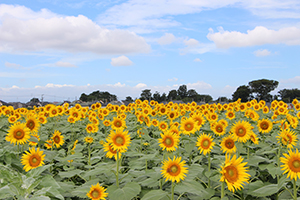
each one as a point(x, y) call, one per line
point(151, 151)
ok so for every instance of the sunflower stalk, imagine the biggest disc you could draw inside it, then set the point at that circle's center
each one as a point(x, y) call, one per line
point(172, 190)
point(117, 172)
point(295, 189)
point(209, 163)
point(222, 190)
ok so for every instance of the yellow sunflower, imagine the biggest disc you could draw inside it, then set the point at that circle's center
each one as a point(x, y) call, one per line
point(12, 119)
point(35, 135)
point(218, 128)
point(106, 123)
point(291, 164)
point(234, 173)
point(163, 126)
point(228, 144)
point(288, 138)
point(89, 139)
point(18, 134)
point(230, 115)
point(119, 139)
point(118, 123)
point(33, 124)
point(205, 143)
point(264, 125)
point(97, 192)
point(188, 126)
point(57, 138)
point(154, 122)
point(109, 151)
point(199, 120)
point(32, 159)
point(174, 170)
point(254, 138)
point(241, 131)
point(169, 141)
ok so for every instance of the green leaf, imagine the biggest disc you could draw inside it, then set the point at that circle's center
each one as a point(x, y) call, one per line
point(155, 195)
point(37, 171)
point(129, 191)
point(6, 192)
point(40, 198)
point(194, 187)
point(265, 190)
point(69, 174)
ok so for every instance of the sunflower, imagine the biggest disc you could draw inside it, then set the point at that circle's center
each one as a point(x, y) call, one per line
point(188, 126)
point(287, 138)
point(218, 128)
point(154, 122)
point(228, 144)
point(253, 137)
point(266, 109)
point(169, 141)
point(230, 115)
point(33, 124)
point(57, 138)
point(12, 119)
point(97, 192)
point(106, 123)
point(205, 143)
point(234, 173)
point(42, 119)
point(118, 123)
point(163, 126)
point(32, 159)
point(119, 139)
point(241, 131)
point(291, 164)
point(199, 120)
point(264, 125)
point(18, 133)
point(53, 112)
point(110, 152)
point(89, 139)
point(174, 170)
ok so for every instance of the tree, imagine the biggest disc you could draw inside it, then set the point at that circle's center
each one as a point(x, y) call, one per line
point(129, 99)
point(222, 99)
point(243, 92)
point(35, 100)
point(172, 95)
point(163, 97)
point(146, 95)
point(192, 94)
point(205, 97)
point(182, 91)
point(156, 96)
point(287, 95)
point(262, 88)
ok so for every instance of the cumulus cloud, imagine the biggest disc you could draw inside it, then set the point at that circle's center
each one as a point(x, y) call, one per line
point(191, 42)
point(261, 52)
point(173, 79)
point(121, 61)
point(22, 29)
point(258, 36)
point(197, 60)
point(141, 85)
point(167, 38)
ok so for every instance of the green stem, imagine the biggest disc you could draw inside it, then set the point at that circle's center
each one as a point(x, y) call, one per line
point(208, 185)
point(89, 160)
point(146, 165)
point(222, 190)
point(117, 172)
point(295, 189)
point(248, 152)
point(172, 192)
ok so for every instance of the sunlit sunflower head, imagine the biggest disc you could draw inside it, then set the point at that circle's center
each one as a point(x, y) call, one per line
point(241, 131)
point(234, 173)
point(172, 115)
point(33, 124)
point(297, 106)
point(119, 139)
point(174, 170)
point(110, 152)
point(42, 119)
point(254, 138)
point(89, 139)
point(97, 192)
point(228, 144)
point(264, 125)
point(199, 120)
point(291, 164)
point(57, 138)
point(188, 126)
point(266, 109)
point(288, 138)
point(154, 122)
point(118, 123)
point(53, 111)
point(213, 116)
point(218, 128)
point(205, 143)
point(32, 159)
point(230, 114)
point(163, 126)
point(12, 119)
point(18, 133)
point(90, 128)
point(169, 141)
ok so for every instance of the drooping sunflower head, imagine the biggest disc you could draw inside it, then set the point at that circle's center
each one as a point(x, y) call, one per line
point(169, 141)
point(264, 125)
point(254, 138)
point(205, 143)
point(57, 138)
point(174, 170)
point(89, 139)
point(241, 131)
point(228, 144)
point(291, 164)
point(18, 133)
point(32, 159)
point(188, 126)
point(97, 192)
point(234, 173)
point(119, 139)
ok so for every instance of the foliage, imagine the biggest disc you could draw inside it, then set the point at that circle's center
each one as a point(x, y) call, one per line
point(287, 95)
point(242, 92)
point(262, 88)
point(97, 95)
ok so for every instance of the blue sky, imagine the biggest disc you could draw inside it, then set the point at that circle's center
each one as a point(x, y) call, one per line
point(61, 49)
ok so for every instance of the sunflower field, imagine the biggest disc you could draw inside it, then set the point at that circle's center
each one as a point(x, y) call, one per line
point(151, 151)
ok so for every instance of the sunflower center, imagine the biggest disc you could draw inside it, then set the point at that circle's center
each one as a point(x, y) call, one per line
point(95, 194)
point(241, 132)
point(231, 174)
point(119, 140)
point(188, 127)
point(219, 129)
point(264, 126)
point(56, 139)
point(34, 161)
point(174, 169)
point(30, 125)
point(19, 134)
point(296, 164)
point(229, 144)
point(205, 144)
point(118, 124)
point(168, 141)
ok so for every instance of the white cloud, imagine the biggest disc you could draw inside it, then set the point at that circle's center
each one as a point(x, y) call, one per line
point(64, 64)
point(197, 60)
point(22, 29)
point(121, 61)
point(167, 38)
point(258, 36)
point(262, 52)
point(199, 86)
point(173, 79)
point(13, 65)
point(141, 85)
point(191, 42)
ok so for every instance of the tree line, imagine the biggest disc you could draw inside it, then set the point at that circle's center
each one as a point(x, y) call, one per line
point(256, 89)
